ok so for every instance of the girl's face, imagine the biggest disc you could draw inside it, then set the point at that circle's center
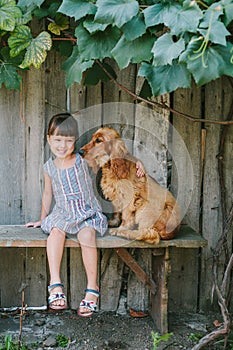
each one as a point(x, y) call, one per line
point(61, 146)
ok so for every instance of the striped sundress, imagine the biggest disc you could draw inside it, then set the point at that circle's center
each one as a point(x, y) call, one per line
point(75, 203)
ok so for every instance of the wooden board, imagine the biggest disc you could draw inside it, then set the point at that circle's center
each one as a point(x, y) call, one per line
point(111, 270)
point(185, 273)
point(186, 174)
point(150, 142)
point(138, 292)
point(159, 301)
point(186, 183)
point(217, 107)
point(12, 276)
point(35, 277)
point(77, 278)
point(12, 158)
point(20, 236)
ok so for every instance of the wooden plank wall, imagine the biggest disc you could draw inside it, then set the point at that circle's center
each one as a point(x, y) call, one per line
point(24, 119)
point(186, 179)
point(218, 101)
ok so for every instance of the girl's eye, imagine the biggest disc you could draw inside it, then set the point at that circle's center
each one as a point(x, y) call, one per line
point(98, 140)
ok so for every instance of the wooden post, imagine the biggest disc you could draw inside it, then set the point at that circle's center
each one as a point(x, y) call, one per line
point(159, 301)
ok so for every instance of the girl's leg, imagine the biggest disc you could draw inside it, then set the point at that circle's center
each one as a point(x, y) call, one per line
point(55, 247)
point(87, 239)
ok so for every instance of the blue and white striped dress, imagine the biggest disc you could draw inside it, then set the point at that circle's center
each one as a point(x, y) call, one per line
point(75, 203)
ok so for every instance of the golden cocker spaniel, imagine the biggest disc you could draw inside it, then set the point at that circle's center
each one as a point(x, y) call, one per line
point(148, 211)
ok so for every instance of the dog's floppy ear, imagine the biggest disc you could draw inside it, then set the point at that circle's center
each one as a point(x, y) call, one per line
point(120, 166)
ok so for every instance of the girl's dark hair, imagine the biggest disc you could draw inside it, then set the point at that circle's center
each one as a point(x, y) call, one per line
point(63, 124)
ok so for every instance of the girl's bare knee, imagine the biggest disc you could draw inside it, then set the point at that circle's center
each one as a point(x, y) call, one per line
point(87, 236)
point(56, 232)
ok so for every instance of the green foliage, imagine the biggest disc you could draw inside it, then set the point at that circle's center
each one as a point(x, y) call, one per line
point(157, 339)
point(62, 340)
point(9, 344)
point(172, 41)
point(9, 13)
point(195, 337)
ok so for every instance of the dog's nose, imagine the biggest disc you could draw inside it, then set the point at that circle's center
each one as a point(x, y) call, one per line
point(81, 152)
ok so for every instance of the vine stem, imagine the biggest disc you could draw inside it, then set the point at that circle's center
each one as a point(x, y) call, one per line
point(163, 105)
point(65, 39)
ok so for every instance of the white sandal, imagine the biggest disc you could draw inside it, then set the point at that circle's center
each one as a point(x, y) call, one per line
point(88, 304)
point(56, 296)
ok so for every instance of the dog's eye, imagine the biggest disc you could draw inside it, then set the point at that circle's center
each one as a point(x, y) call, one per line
point(98, 140)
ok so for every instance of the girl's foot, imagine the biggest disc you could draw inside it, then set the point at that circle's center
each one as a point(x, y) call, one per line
point(57, 299)
point(89, 304)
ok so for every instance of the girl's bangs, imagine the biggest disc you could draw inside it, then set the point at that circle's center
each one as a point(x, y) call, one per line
point(61, 131)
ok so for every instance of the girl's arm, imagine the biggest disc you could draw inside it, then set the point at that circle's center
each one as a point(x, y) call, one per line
point(46, 197)
point(46, 202)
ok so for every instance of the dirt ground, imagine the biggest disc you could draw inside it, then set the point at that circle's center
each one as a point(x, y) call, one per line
point(103, 331)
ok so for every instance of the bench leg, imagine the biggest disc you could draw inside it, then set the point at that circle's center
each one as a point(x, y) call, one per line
point(141, 274)
point(159, 301)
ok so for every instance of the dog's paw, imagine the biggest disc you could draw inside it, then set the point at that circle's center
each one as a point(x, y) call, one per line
point(113, 232)
point(114, 222)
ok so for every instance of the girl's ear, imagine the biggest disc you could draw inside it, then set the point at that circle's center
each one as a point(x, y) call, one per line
point(48, 139)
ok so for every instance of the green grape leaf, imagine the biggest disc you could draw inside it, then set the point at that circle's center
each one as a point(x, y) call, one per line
point(165, 79)
point(155, 14)
point(185, 19)
point(212, 14)
point(94, 27)
point(116, 12)
point(24, 19)
point(61, 23)
point(134, 28)
point(74, 67)
point(95, 74)
point(98, 45)
point(135, 51)
point(165, 49)
point(29, 3)
point(9, 13)
point(19, 40)
point(228, 11)
point(179, 19)
point(9, 76)
point(210, 64)
point(51, 11)
point(77, 8)
point(216, 33)
point(36, 51)
point(6, 57)
point(40, 13)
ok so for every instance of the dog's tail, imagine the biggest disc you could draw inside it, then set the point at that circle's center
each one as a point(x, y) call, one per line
point(168, 223)
point(150, 235)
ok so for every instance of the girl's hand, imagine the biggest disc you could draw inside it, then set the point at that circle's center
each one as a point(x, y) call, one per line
point(140, 169)
point(33, 224)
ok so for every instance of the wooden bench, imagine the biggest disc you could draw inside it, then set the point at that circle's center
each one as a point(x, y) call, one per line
point(20, 236)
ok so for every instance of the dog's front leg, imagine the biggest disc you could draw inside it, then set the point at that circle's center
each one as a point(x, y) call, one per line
point(128, 216)
point(115, 221)
point(127, 222)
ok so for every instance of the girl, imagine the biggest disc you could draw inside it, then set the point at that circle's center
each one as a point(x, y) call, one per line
point(76, 211)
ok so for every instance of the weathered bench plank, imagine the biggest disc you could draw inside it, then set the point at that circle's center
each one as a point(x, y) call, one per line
point(154, 281)
point(21, 236)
